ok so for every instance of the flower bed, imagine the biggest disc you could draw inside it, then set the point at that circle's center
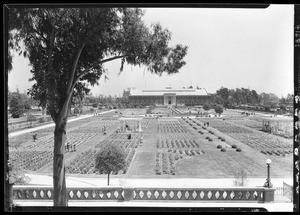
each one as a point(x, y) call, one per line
point(32, 160)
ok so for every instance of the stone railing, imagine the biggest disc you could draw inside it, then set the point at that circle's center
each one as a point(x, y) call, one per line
point(242, 194)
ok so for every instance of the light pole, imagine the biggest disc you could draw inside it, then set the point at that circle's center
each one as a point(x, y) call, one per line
point(268, 183)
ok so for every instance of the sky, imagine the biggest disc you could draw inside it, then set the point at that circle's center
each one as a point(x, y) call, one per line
point(233, 48)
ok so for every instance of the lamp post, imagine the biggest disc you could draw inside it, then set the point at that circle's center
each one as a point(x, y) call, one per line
point(268, 183)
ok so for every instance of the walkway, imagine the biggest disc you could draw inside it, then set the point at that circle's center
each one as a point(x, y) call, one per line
point(145, 155)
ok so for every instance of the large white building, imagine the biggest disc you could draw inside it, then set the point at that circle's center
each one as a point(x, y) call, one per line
point(167, 96)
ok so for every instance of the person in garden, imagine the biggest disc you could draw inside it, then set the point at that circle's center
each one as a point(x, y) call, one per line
point(34, 137)
point(68, 145)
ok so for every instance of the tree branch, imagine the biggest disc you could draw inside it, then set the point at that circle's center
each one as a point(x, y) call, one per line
point(96, 64)
point(69, 88)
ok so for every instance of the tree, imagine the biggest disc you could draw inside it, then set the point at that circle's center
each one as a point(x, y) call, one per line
point(206, 107)
point(67, 46)
point(110, 159)
point(15, 107)
point(223, 92)
point(219, 109)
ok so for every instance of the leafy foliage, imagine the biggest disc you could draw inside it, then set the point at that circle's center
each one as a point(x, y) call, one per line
point(219, 109)
point(16, 173)
point(206, 107)
point(15, 107)
point(67, 46)
point(110, 158)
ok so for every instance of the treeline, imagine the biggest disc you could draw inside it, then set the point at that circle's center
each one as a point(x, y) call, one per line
point(250, 99)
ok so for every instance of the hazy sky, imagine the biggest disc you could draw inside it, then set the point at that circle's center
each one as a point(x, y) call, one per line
point(233, 48)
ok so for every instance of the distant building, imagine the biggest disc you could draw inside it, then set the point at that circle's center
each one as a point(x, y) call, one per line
point(167, 96)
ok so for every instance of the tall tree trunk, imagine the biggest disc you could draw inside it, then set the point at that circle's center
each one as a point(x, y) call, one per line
point(59, 182)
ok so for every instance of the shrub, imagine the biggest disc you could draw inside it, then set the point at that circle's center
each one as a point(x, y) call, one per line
point(42, 119)
point(223, 150)
point(207, 137)
point(223, 139)
point(240, 179)
point(95, 104)
point(206, 107)
point(238, 150)
point(219, 146)
point(219, 109)
point(76, 110)
point(210, 139)
point(219, 137)
point(234, 146)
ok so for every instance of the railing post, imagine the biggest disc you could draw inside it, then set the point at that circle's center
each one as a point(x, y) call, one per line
point(269, 194)
point(128, 193)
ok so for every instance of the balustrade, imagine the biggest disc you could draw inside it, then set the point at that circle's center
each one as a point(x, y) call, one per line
point(243, 194)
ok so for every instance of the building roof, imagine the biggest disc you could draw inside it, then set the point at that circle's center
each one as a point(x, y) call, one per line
point(161, 92)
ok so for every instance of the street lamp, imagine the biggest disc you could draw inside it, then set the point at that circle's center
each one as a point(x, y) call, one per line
point(268, 183)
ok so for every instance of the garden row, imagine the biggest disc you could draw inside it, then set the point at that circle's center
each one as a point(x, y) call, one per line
point(278, 152)
point(121, 143)
point(164, 164)
point(95, 126)
point(170, 127)
point(267, 144)
point(72, 138)
point(177, 143)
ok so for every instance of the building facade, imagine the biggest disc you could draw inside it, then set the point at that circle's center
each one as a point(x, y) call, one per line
point(167, 96)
